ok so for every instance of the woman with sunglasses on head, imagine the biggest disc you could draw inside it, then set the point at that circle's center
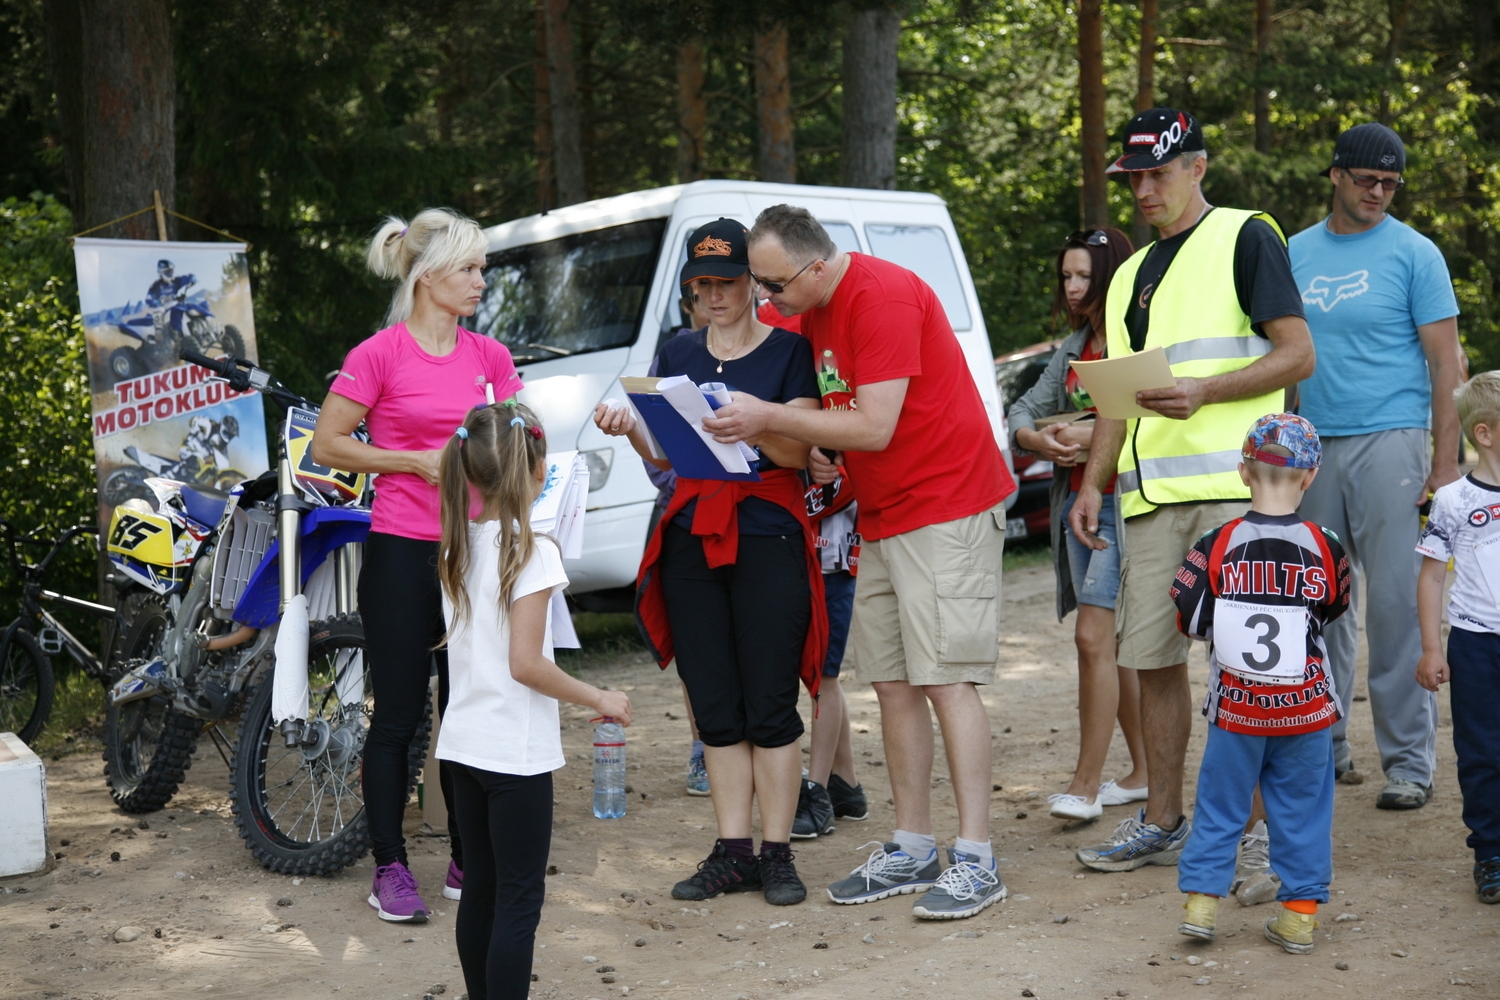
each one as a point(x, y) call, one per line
point(1086, 579)
point(731, 582)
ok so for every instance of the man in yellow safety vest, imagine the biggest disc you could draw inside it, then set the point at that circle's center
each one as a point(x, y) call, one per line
point(1215, 292)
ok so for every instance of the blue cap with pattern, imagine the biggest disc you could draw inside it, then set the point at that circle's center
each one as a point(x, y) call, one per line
point(1288, 431)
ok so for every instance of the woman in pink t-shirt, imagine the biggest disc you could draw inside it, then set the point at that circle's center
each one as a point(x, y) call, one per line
point(411, 383)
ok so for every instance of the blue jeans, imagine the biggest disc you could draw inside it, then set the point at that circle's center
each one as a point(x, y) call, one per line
point(1295, 774)
point(1474, 665)
point(838, 598)
point(1095, 572)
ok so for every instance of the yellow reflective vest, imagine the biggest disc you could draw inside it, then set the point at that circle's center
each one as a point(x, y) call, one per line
point(1195, 316)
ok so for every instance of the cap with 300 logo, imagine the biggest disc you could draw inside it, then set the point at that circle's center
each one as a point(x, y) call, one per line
point(1155, 137)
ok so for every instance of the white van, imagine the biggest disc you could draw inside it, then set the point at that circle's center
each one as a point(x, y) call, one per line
point(584, 294)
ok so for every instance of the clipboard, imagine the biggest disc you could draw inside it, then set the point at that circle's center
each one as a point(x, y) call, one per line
point(690, 457)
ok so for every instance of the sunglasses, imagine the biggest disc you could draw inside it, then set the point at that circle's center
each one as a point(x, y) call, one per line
point(777, 287)
point(1368, 181)
point(1089, 238)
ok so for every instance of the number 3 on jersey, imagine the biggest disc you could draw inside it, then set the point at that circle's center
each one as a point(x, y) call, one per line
point(1262, 642)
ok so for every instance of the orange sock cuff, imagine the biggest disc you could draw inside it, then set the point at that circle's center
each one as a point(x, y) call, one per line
point(1307, 906)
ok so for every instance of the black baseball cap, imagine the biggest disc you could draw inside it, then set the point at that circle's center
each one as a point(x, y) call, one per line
point(1371, 146)
point(719, 250)
point(1157, 136)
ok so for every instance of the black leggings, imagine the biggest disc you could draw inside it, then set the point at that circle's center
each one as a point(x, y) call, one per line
point(507, 820)
point(400, 602)
point(739, 632)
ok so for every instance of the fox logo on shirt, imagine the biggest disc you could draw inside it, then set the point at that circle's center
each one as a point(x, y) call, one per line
point(1325, 293)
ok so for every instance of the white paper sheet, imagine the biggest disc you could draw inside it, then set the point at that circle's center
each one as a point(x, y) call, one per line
point(688, 400)
point(718, 392)
point(1113, 382)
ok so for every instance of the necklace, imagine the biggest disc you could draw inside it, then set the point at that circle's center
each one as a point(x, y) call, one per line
point(720, 360)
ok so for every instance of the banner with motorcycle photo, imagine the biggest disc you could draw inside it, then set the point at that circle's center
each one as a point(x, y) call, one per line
point(143, 303)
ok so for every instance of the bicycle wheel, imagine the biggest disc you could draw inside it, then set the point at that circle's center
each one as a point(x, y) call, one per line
point(148, 747)
point(300, 810)
point(26, 685)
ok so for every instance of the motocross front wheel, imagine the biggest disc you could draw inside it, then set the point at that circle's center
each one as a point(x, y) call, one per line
point(128, 482)
point(301, 810)
point(148, 747)
point(125, 363)
point(26, 685)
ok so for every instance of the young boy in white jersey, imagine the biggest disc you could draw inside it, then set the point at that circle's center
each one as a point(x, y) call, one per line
point(1464, 525)
point(1260, 588)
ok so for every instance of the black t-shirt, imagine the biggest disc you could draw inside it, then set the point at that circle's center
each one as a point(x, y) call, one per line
point(778, 371)
point(1263, 279)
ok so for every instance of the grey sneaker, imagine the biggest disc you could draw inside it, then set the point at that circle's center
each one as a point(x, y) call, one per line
point(889, 871)
point(1400, 793)
point(965, 888)
point(1136, 843)
point(1254, 881)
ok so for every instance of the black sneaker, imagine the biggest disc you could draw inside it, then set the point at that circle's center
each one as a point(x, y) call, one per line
point(719, 872)
point(848, 803)
point(779, 877)
point(814, 812)
point(1487, 880)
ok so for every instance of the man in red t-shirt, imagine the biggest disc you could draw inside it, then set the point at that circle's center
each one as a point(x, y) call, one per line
point(902, 411)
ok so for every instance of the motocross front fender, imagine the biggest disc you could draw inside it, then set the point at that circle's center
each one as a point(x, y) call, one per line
point(324, 531)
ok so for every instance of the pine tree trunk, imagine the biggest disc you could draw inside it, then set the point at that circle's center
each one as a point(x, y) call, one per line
point(1262, 67)
point(773, 105)
point(562, 86)
point(116, 91)
point(1397, 11)
point(541, 134)
point(1145, 96)
point(871, 39)
point(692, 112)
point(1095, 139)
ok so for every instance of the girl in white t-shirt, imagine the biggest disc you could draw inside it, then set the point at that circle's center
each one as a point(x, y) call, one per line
point(500, 733)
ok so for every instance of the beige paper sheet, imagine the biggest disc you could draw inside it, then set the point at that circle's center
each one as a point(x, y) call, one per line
point(1113, 382)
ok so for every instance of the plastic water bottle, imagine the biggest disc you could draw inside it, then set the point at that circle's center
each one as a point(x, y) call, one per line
point(609, 769)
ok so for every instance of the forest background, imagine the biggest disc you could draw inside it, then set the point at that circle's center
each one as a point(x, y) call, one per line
point(298, 125)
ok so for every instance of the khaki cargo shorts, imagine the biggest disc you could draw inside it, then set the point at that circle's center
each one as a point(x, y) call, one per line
point(927, 603)
point(1154, 547)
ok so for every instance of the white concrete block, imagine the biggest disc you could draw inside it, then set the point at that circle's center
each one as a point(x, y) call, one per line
point(23, 808)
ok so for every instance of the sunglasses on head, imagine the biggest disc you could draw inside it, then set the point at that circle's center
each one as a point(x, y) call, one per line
point(1368, 181)
point(1089, 238)
point(777, 287)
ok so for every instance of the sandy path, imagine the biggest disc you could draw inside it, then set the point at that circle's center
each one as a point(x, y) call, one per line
point(213, 926)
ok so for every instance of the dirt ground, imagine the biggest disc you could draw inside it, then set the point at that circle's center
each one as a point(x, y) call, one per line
point(1403, 922)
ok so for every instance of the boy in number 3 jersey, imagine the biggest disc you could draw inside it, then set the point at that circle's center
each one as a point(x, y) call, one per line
point(1260, 589)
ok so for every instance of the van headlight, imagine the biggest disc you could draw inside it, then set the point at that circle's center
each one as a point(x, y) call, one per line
point(598, 463)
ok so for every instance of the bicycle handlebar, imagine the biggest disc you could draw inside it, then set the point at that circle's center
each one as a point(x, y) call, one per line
point(14, 540)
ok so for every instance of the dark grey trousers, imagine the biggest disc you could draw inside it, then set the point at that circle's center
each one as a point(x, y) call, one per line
point(1367, 493)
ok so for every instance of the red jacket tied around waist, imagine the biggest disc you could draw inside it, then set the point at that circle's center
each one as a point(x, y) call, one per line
point(716, 521)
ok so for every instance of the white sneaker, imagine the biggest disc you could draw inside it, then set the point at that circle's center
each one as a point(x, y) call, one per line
point(1111, 794)
point(1074, 807)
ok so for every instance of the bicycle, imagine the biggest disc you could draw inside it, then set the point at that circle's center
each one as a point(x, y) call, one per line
point(27, 684)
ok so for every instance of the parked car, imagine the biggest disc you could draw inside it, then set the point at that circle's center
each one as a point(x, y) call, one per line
point(584, 294)
point(1015, 373)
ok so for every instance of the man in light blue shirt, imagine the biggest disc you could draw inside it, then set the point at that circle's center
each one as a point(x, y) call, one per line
point(1384, 321)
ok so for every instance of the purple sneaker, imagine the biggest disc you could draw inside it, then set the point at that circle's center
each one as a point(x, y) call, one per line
point(394, 895)
point(454, 887)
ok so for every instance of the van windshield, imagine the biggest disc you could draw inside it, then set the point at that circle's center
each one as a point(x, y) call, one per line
point(573, 295)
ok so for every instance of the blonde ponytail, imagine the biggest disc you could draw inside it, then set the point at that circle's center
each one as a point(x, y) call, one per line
point(437, 241)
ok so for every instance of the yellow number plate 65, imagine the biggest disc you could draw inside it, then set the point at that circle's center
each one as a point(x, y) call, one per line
point(344, 486)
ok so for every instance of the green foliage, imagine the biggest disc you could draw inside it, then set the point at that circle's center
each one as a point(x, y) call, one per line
point(47, 450)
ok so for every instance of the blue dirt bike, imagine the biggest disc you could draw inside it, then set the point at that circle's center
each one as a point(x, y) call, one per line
point(287, 543)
